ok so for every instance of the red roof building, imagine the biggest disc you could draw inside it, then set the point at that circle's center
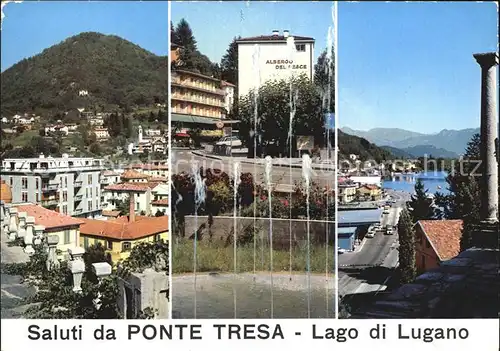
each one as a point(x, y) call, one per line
point(436, 241)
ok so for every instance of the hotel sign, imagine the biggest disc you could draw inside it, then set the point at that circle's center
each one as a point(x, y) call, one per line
point(285, 64)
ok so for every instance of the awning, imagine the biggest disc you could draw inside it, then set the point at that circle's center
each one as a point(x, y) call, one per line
point(180, 118)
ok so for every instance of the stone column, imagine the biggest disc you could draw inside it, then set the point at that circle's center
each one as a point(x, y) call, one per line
point(76, 253)
point(77, 267)
point(101, 270)
point(6, 223)
point(489, 135)
point(13, 224)
point(21, 232)
point(38, 234)
point(2, 212)
point(52, 261)
point(28, 239)
point(486, 234)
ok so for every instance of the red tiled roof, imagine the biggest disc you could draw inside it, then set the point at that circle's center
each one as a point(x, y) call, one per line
point(444, 235)
point(49, 219)
point(110, 213)
point(121, 229)
point(370, 187)
point(131, 174)
point(160, 202)
point(274, 38)
point(135, 186)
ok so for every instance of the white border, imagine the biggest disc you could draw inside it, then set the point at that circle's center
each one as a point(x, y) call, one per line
point(336, 119)
point(170, 168)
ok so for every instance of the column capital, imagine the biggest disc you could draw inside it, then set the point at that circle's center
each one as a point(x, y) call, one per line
point(487, 59)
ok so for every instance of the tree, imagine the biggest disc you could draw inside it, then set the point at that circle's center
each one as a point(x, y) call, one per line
point(229, 63)
point(190, 58)
point(464, 200)
point(173, 34)
point(273, 105)
point(152, 117)
point(195, 135)
point(96, 253)
point(407, 263)
point(159, 213)
point(95, 148)
point(123, 206)
point(421, 206)
point(187, 42)
point(55, 298)
point(324, 78)
point(464, 197)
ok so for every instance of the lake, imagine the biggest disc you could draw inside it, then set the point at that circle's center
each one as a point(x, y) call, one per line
point(433, 181)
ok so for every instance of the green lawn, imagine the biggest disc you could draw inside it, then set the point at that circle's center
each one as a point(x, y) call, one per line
point(214, 257)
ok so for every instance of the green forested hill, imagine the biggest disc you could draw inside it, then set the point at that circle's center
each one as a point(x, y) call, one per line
point(114, 71)
point(350, 144)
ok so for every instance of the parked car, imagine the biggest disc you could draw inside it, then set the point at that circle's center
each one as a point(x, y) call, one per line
point(233, 141)
point(389, 230)
point(370, 234)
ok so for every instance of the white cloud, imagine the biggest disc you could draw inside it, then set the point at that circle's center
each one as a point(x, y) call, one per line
point(4, 3)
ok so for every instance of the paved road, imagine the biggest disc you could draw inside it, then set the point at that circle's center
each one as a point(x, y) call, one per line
point(13, 291)
point(182, 162)
point(368, 268)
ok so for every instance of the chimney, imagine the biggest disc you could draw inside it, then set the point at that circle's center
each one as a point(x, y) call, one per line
point(276, 32)
point(286, 33)
point(131, 209)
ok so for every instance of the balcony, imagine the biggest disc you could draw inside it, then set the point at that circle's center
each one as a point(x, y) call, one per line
point(207, 102)
point(205, 89)
point(78, 184)
point(49, 202)
point(78, 197)
point(49, 187)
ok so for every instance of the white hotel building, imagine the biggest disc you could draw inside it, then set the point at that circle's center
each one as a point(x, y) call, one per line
point(270, 57)
point(69, 185)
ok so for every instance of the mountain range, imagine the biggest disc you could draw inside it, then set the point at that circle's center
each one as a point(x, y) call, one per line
point(446, 143)
point(113, 71)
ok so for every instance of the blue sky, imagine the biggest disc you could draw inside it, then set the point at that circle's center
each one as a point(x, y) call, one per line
point(410, 65)
point(30, 27)
point(215, 24)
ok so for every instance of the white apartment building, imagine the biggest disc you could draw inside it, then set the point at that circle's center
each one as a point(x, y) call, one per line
point(68, 185)
point(229, 91)
point(276, 56)
point(101, 133)
point(141, 191)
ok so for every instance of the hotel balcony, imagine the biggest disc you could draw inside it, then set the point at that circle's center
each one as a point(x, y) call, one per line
point(176, 82)
point(184, 98)
point(49, 187)
point(49, 202)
